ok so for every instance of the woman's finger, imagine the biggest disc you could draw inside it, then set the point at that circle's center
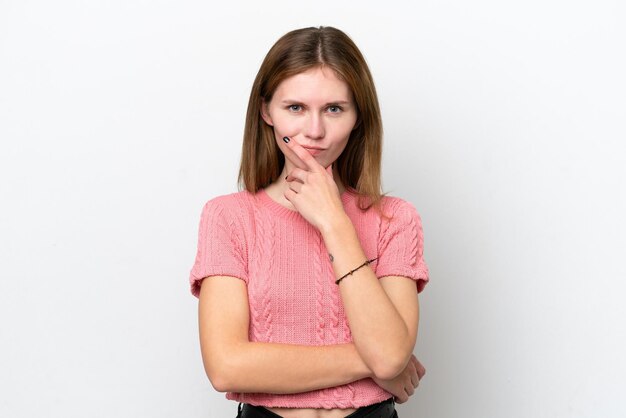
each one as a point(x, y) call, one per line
point(289, 195)
point(295, 186)
point(421, 371)
point(293, 156)
point(297, 174)
point(310, 163)
point(409, 389)
point(415, 380)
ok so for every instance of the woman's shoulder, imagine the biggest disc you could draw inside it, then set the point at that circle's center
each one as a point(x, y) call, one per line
point(231, 201)
point(237, 205)
point(392, 201)
point(392, 205)
point(399, 212)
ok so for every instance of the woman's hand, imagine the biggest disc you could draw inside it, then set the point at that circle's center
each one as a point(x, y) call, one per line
point(403, 385)
point(312, 189)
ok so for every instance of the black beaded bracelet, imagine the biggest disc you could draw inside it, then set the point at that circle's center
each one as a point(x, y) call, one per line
point(352, 271)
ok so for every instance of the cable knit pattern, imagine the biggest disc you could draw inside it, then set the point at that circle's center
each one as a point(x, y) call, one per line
point(264, 252)
point(290, 281)
point(335, 307)
point(319, 293)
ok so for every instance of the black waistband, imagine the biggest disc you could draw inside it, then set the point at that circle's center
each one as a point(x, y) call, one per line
point(384, 409)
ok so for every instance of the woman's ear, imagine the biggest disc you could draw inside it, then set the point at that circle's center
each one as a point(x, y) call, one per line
point(265, 114)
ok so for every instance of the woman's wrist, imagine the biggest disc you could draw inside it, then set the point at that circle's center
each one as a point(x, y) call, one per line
point(340, 224)
point(343, 245)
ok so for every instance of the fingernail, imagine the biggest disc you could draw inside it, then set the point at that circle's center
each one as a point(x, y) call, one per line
point(286, 139)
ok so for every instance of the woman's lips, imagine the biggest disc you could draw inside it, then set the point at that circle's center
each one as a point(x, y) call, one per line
point(314, 151)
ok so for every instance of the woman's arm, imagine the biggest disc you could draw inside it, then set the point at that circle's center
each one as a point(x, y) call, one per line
point(383, 314)
point(235, 364)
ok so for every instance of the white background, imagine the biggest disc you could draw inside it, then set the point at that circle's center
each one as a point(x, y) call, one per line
point(504, 126)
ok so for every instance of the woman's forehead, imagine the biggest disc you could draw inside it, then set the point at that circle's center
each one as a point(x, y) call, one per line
point(319, 83)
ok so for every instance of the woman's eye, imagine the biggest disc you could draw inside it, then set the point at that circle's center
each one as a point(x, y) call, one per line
point(334, 109)
point(295, 108)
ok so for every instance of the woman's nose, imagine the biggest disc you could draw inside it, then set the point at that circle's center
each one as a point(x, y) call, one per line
point(314, 128)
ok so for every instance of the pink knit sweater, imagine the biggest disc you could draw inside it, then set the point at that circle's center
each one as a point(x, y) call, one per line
point(290, 281)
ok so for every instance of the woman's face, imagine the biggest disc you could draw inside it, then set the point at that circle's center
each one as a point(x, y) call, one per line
point(315, 109)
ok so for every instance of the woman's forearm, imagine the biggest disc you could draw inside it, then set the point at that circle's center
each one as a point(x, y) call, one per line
point(286, 368)
point(234, 364)
point(379, 332)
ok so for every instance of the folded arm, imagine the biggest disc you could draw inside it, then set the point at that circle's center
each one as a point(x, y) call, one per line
point(383, 313)
point(234, 364)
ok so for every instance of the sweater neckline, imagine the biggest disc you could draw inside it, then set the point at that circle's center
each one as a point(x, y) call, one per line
point(276, 208)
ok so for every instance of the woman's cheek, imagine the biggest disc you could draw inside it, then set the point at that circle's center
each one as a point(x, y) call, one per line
point(284, 124)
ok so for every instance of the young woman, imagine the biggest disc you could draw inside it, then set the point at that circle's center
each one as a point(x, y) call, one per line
point(308, 279)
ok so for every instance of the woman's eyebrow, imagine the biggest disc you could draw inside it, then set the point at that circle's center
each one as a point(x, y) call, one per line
point(298, 102)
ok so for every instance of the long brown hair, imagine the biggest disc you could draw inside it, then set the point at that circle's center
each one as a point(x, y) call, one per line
point(358, 166)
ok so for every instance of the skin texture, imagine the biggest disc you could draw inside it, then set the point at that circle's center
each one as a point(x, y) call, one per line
point(315, 110)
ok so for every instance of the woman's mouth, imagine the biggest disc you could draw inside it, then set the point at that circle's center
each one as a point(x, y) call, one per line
point(314, 150)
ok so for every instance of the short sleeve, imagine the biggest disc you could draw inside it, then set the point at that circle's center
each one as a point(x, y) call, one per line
point(401, 244)
point(220, 246)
